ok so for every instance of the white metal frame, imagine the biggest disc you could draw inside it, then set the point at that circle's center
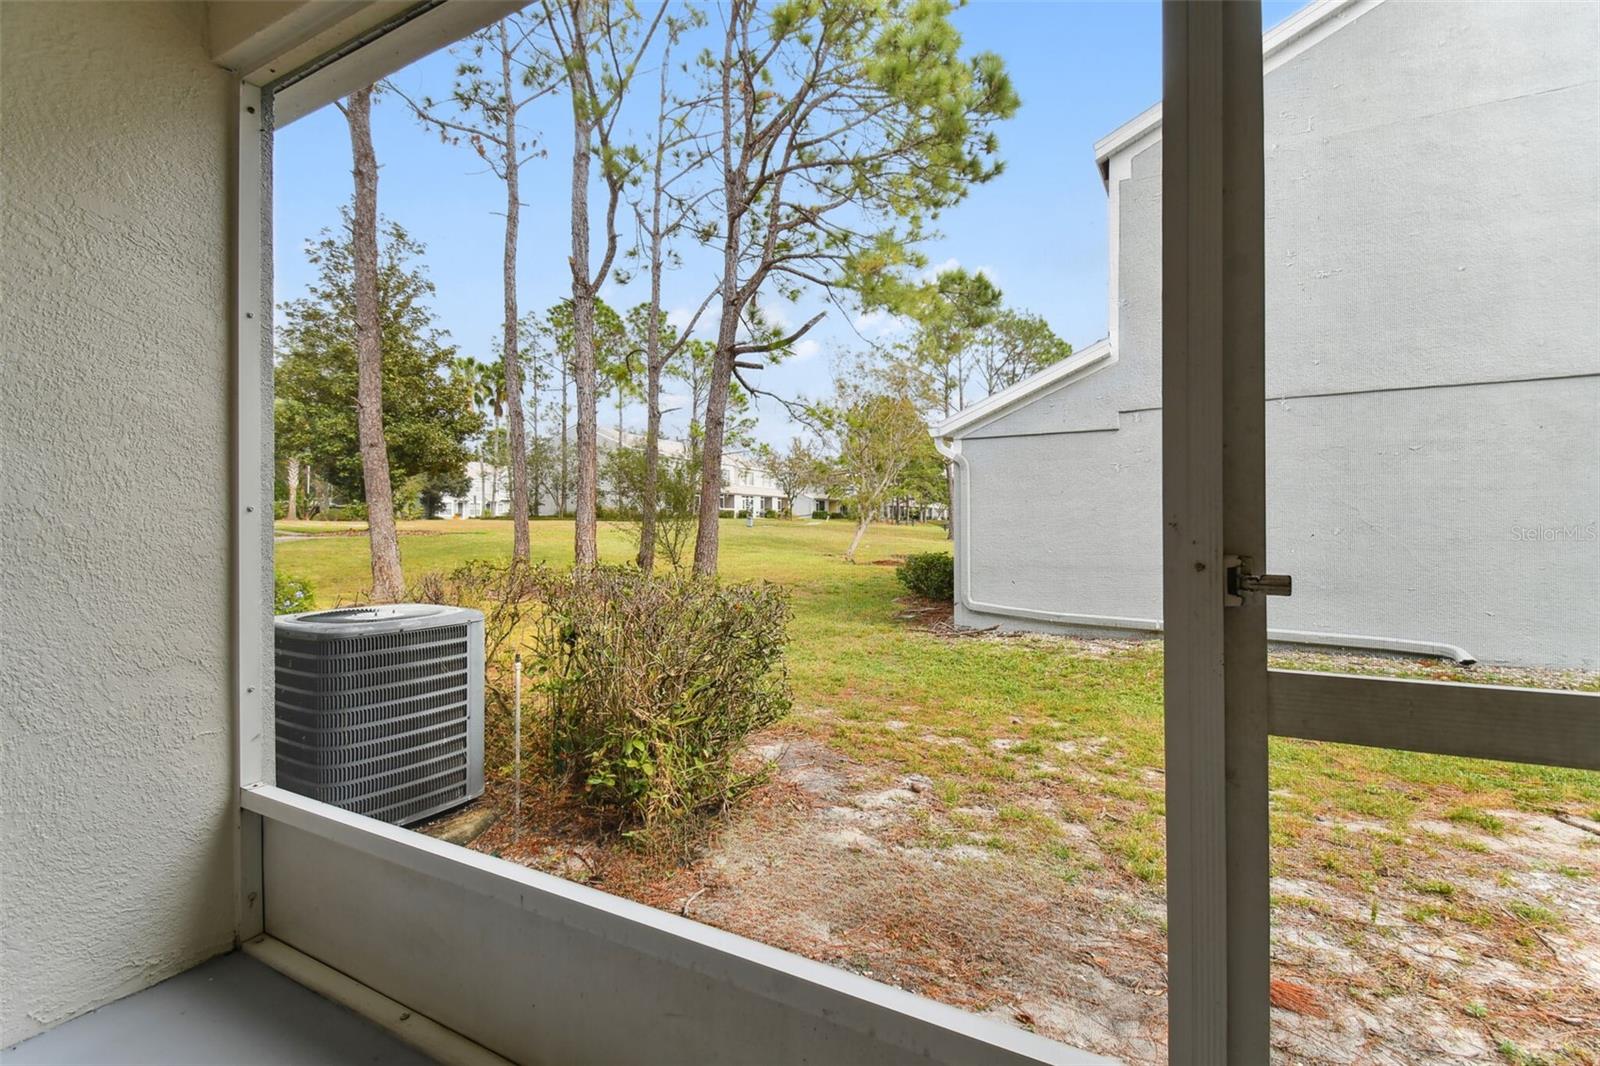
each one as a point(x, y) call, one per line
point(1214, 506)
point(252, 500)
point(1222, 701)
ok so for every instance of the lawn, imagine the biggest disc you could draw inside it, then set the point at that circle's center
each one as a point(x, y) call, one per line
point(980, 818)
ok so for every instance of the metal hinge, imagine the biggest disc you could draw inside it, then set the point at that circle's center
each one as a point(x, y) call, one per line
point(1243, 581)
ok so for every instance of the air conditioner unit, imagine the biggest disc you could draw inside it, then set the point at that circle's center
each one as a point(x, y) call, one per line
point(380, 709)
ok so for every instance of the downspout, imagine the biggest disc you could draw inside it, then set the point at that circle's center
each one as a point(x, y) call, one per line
point(950, 448)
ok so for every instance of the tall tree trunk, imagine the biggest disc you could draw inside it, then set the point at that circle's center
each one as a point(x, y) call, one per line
point(651, 489)
point(387, 580)
point(585, 546)
point(494, 467)
point(706, 540)
point(534, 472)
point(291, 480)
point(566, 421)
point(483, 472)
point(861, 530)
point(707, 536)
point(508, 346)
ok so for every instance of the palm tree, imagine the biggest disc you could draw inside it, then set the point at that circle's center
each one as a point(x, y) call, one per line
point(488, 395)
point(479, 377)
point(494, 391)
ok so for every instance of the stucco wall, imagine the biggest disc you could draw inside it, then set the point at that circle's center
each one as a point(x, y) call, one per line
point(117, 862)
point(1433, 356)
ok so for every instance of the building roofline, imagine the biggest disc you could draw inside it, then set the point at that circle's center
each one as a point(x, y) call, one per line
point(1280, 44)
point(1076, 365)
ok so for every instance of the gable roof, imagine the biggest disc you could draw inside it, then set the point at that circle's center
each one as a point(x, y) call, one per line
point(1283, 42)
point(1057, 375)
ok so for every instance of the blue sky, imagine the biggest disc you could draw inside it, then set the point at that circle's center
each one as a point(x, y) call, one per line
point(1039, 230)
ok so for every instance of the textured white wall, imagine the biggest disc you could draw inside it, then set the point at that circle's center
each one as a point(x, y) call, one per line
point(116, 864)
point(1431, 236)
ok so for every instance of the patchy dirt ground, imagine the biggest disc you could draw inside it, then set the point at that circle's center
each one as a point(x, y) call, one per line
point(1480, 943)
point(1013, 866)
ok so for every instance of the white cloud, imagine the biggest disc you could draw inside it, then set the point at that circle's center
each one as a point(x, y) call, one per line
point(773, 311)
point(880, 323)
point(678, 318)
point(953, 264)
point(805, 348)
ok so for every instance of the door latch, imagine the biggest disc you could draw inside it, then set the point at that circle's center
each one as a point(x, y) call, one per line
point(1243, 581)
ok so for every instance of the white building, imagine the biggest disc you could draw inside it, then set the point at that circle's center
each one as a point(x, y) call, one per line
point(1429, 419)
point(488, 493)
point(746, 484)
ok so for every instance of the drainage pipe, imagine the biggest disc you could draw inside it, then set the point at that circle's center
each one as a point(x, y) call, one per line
point(951, 450)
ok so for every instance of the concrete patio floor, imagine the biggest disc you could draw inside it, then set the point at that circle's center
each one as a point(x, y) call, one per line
point(232, 1010)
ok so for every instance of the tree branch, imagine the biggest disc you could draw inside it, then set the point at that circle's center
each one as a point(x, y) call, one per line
point(782, 342)
point(797, 411)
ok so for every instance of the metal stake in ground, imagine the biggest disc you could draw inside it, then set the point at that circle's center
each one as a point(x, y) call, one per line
point(516, 745)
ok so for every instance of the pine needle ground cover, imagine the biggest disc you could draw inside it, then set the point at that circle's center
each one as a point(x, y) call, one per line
point(980, 819)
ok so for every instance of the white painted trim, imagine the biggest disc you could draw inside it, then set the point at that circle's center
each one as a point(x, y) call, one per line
point(438, 1042)
point(746, 964)
point(1144, 123)
point(1074, 368)
point(1303, 30)
point(388, 51)
point(252, 500)
point(1213, 507)
point(1529, 725)
point(261, 41)
point(252, 504)
point(1113, 173)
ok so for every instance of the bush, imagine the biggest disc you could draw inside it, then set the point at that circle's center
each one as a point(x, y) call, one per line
point(348, 512)
point(507, 594)
point(291, 595)
point(502, 591)
point(929, 574)
point(652, 685)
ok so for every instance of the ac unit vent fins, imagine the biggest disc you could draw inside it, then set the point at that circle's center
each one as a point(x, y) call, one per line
point(380, 709)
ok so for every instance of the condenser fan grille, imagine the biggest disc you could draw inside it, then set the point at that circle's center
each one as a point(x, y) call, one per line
point(383, 723)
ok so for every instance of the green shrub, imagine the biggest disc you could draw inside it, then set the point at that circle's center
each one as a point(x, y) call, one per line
point(347, 512)
point(652, 685)
point(929, 574)
point(291, 595)
point(507, 594)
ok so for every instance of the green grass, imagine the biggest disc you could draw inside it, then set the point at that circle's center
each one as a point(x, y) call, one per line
point(1090, 724)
